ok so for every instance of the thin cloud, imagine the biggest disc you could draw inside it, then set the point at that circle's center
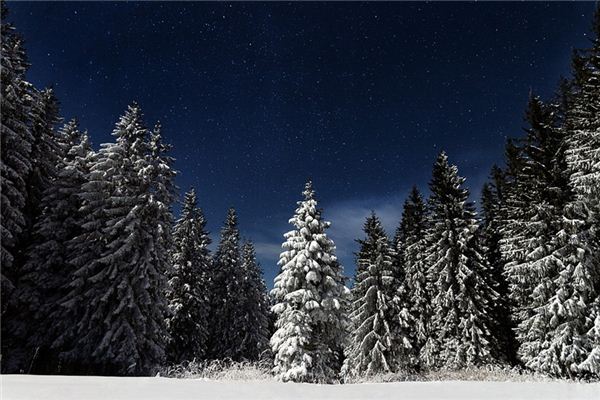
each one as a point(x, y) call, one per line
point(348, 217)
point(267, 250)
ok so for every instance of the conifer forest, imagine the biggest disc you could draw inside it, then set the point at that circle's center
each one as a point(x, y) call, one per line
point(109, 268)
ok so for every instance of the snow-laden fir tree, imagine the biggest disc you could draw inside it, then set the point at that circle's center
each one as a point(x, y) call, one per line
point(374, 344)
point(561, 338)
point(533, 206)
point(491, 203)
point(459, 331)
point(44, 157)
point(226, 297)
point(583, 121)
point(46, 271)
point(254, 310)
point(45, 149)
point(583, 158)
point(310, 299)
point(188, 285)
point(563, 334)
point(410, 245)
point(15, 153)
point(115, 308)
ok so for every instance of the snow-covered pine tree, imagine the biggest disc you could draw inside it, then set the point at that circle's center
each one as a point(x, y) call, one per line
point(225, 336)
point(115, 308)
point(564, 331)
point(533, 204)
point(254, 310)
point(188, 285)
point(583, 158)
point(374, 347)
point(15, 154)
point(46, 271)
point(410, 244)
point(461, 297)
point(491, 203)
point(582, 120)
point(46, 151)
point(310, 299)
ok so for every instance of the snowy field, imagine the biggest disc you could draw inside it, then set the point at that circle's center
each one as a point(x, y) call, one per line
point(111, 388)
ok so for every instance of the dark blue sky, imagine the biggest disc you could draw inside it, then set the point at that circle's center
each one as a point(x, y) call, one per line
point(257, 97)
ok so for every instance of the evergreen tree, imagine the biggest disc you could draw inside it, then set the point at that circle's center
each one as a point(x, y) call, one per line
point(227, 277)
point(188, 285)
point(491, 203)
point(15, 154)
point(461, 297)
point(583, 157)
point(534, 204)
point(374, 347)
point(563, 336)
point(115, 307)
point(410, 243)
point(582, 120)
point(46, 270)
point(46, 151)
point(254, 312)
point(310, 299)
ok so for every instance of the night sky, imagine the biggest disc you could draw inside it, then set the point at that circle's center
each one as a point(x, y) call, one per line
point(258, 97)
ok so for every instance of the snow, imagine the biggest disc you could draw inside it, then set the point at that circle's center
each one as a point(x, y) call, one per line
point(115, 388)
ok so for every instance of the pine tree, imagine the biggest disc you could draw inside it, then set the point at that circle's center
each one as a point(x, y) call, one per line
point(254, 311)
point(188, 285)
point(564, 333)
point(374, 347)
point(583, 121)
point(225, 336)
point(15, 153)
point(583, 157)
point(115, 307)
point(46, 270)
point(410, 242)
point(310, 299)
point(46, 151)
point(491, 204)
point(534, 204)
point(461, 297)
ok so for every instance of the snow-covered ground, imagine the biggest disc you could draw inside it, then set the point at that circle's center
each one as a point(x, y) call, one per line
point(110, 388)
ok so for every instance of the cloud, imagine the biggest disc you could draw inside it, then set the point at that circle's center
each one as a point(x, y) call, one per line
point(267, 250)
point(348, 217)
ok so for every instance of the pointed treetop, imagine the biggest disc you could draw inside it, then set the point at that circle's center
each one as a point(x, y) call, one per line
point(70, 131)
point(443, 156)
point(309, 192)
point(248, 250)
point(157, 145)
point(445, 180)
point(231, 220)
point(130, 126)
point(189, 202)
point(413, 213)
point(442, 165)
point(373, 224)
point(415, 196)
point(48, 107)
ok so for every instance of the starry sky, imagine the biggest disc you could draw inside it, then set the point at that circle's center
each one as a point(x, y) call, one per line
point(258, 97)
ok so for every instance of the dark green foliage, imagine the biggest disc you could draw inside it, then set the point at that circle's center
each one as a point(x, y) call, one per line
point(188, 324)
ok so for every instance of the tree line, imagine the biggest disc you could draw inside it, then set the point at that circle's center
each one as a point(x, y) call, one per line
point(98, 277)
